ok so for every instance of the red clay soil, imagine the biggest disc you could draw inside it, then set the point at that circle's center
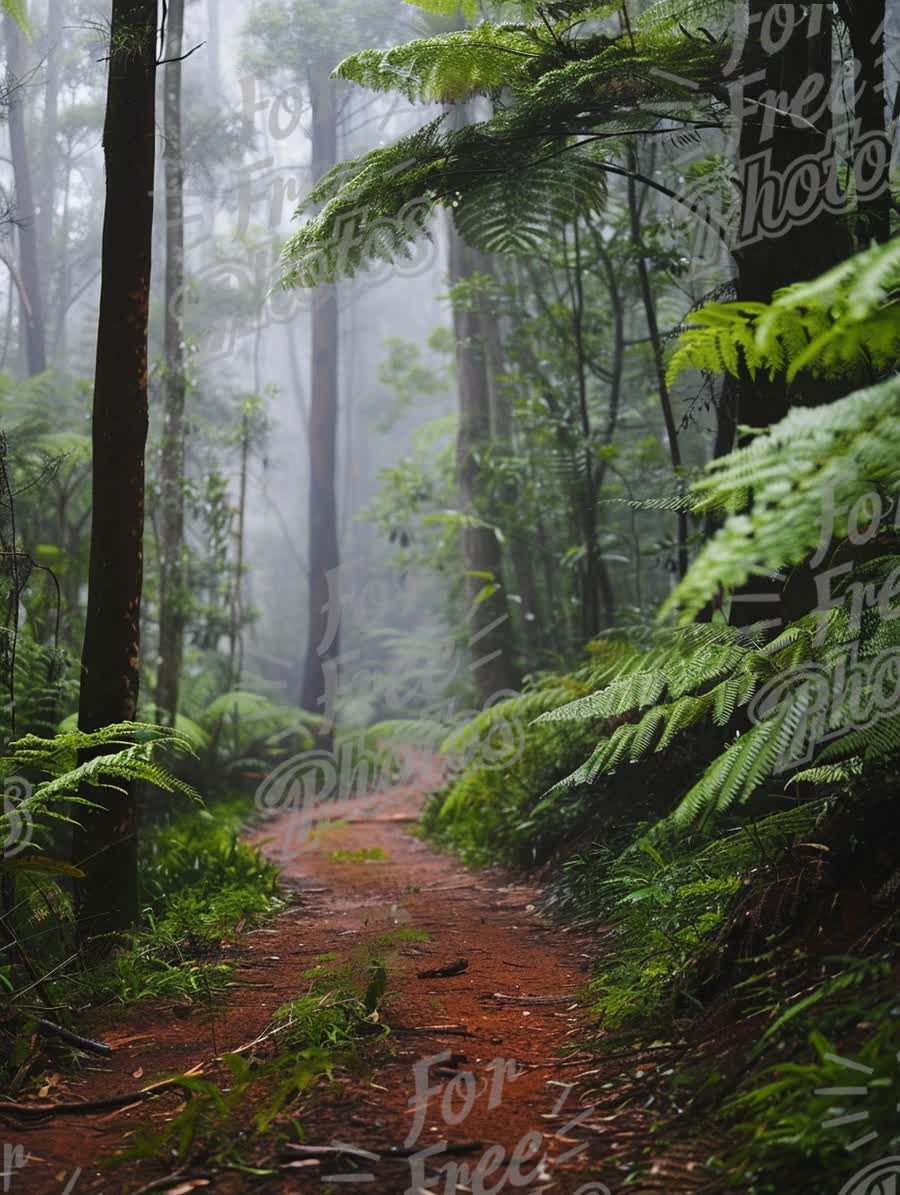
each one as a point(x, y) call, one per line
point(512, 1015)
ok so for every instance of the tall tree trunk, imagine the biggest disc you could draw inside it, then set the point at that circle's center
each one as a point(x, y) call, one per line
point(236, 652)
point(32, 303)
point(172, 458)
point(105, 843)
point(520, 556)
point(866, 21)
point(598, 606)
point(490, 630)
point(215, 46)
point(49, 150)
point(772, 141)
point(319, 673)
point(659, 361)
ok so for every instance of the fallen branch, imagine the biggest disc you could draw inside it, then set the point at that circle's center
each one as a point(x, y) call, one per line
point(48, 1029)
point(529, 999)
point(21, 1115)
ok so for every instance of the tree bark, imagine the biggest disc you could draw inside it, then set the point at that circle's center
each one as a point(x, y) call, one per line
point(172, 595)
point(105, 843)
point(771, 143)
point(31, 302)
point(866, 22)
point(490, 630)
point(320, 668)
point(772, 140)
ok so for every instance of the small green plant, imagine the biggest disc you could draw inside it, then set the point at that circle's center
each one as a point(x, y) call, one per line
point(368, 854)
point(313, 1036)
point(208, 1125)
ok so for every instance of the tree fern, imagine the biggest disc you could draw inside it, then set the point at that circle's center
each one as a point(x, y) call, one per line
point(513, 214)
point(592, 88)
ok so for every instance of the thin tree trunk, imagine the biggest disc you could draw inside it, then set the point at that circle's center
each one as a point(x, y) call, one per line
point(105, 842)
point(32, 303)
point(172, 457)
point(235, 658)
point(319, 674)
point(586, 499)
point(49, 152)
point(659, 361)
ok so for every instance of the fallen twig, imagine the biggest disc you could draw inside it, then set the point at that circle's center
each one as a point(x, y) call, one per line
point(172, 1180)
point(529, 999)
point(328, 1151)
point(18, 1114)
point(438, 1030)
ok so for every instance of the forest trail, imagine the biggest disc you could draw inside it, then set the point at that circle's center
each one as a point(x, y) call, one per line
point(506, 1019)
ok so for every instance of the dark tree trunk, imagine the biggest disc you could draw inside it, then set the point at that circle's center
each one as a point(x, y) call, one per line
point(866, 20)
point(31, 299)
point(319, 674)
point(105, 844)
point(794, 250)
point(770, 144)
point(171, 466)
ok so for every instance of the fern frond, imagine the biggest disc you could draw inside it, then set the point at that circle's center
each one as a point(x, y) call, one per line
point(772, 490)
point(449, 68)
point(375, 208)
point(839, 325)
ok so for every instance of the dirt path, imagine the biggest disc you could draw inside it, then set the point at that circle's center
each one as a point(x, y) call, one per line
point(494, 1034)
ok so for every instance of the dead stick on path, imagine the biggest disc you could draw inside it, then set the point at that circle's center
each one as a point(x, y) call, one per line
point(172, 1180)
point(529, 999)
point(48, 1029)
point(15, 1114)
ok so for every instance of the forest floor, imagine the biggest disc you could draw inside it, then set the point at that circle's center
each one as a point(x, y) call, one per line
point(561, 1119)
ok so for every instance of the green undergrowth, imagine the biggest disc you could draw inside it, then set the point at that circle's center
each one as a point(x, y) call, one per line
point(761, 944)
point(328, 1032)
point(201, 885)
